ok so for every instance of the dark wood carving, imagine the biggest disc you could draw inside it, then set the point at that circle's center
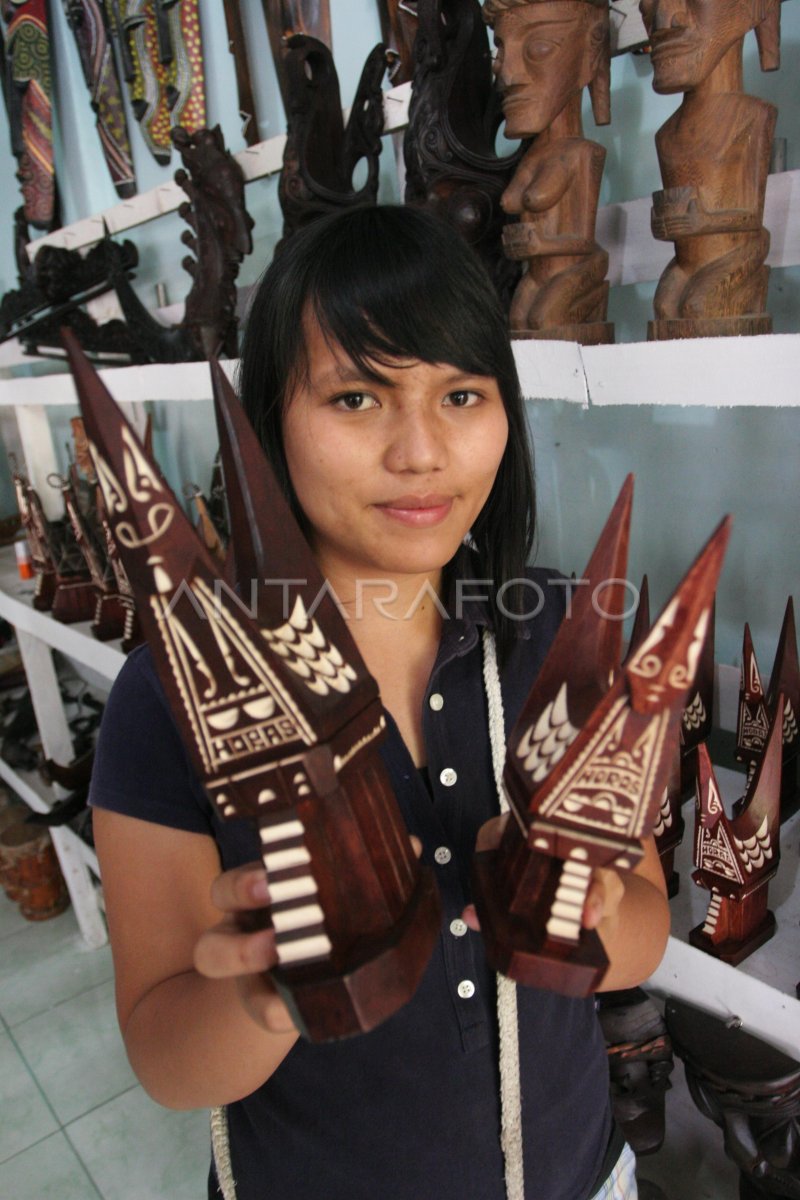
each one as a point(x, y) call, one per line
point(52, 290)
point(399, 31)
point(284, 19)
point(548, 51)
point(586, 766)
point(237, 44)
point(219, 238)
point(36, 528)
point(750, 1090)
point(714, 156)
point(449, 146)
point(321, 154)
point(757, 709)
point(735, 857)
point(281, 718)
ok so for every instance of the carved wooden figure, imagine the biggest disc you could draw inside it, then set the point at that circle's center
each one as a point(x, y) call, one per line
point(37, 532)
point(750, 1090)
point(321, 154)
point(281, 719)
point(735, 857)
point(452, 167)
point(714, 155)
point(108, 617)
point(548, 51)
point(586, 766)
point(219, 238)
point(399, 31)
point(698, 716)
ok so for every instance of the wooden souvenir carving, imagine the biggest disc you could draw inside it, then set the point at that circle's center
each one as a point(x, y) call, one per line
point(735, 857)
point(87, 19)
point(451, 164)
point(281, 718)
point(698, 716)
point(37, 532)
point(640, 1063)
point(586, 765)
point(399, 30)
point(52, 289)
point(757, 709)
point(206, 529)
point(28, 90)
point(220, 237)
point(284, 19)
point(750, 1090)
point(714, 156)
point(548, 51)
point(321, 154)
point(162, 63)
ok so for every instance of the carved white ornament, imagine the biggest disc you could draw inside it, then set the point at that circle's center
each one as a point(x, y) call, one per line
point(754, 851)
point(695, 714)
point(789, 722)
point(546, 742)
point(664, 819)
point(307, 652)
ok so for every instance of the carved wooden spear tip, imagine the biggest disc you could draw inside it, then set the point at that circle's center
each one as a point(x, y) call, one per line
point(641, 622)
point(785, 678)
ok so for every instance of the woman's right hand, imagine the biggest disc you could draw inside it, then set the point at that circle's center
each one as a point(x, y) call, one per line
point(226, 951)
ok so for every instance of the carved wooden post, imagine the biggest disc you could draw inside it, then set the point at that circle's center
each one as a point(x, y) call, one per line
point(714, 156)
point(548, 51)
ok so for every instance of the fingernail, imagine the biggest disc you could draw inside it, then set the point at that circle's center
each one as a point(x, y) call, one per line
point(259, 889)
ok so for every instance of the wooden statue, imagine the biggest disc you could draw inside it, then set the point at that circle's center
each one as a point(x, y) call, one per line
point(586, 766)
point(548, 51)
point(321, 154)
point(36, 528)
point(698, 716)
point(219, 239)
point(714, 155)
point(452, 167)
point(758, 709)
point(285, 19)
point(735, 857)
point(750, 1090)
point(281, 719)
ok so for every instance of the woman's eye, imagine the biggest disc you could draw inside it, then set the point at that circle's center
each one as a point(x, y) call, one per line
point(462, 399)
point(355, 401)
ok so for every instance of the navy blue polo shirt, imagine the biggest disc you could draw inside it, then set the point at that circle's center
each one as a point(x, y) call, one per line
point(409, 1111)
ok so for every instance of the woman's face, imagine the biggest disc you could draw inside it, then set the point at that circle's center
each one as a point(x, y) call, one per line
point(390, 476)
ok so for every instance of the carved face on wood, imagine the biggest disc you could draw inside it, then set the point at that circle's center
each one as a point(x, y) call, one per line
point(690, 37)
point(547, 52)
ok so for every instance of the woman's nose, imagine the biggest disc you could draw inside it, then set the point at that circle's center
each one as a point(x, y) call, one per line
point(417, 443)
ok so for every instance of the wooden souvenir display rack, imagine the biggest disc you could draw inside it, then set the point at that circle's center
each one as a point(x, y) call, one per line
point(724, 372)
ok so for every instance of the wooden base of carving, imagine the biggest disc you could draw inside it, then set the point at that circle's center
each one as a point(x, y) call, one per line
point(131, 632)
point(708, 327)
point(74, 601)
point(363, 991)
point(109, 617)
point(523, 951)
point(594, 333)
point(741, 927)
point(44, 591)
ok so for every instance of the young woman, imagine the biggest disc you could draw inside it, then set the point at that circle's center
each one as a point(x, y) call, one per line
point(378, 374)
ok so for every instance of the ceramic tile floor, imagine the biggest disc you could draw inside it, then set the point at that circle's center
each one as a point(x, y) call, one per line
point(75, 1125)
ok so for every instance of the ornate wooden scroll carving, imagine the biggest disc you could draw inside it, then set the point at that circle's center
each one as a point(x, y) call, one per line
point(751, 1091)
point(547, 52)
point(162, 63)
point(735, 857)
point(281, 718)
point(285, 19)
point(87, 19)
point(220, 237)
point(451, 164)
point(714, 155)
point(757, 709)
point(586, 766)
point(321, 155)
point(28, 88)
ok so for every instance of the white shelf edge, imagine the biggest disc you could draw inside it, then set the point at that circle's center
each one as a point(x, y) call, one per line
point(747, 372)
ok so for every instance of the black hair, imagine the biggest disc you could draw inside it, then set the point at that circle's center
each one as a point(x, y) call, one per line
point(392, 282)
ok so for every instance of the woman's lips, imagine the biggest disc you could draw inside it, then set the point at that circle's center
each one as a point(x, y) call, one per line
point(419, 511)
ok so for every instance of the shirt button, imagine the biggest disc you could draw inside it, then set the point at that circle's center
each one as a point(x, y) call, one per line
point(436, 702)
point(448, 777)
point(442, 855)
point(466, 989)
point(458, 927)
